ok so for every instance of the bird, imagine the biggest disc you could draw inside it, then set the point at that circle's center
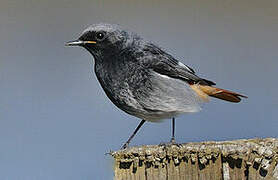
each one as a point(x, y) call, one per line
point(144, 80)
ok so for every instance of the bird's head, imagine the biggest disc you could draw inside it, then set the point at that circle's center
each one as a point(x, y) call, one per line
point(103, 39)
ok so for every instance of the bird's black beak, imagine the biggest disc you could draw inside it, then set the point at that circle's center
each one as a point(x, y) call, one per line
point(74, 43)
point(79, 43)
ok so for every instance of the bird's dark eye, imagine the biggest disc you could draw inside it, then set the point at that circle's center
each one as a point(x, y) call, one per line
point(100, 36)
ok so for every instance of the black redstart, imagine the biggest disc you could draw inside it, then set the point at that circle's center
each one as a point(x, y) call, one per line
point(142, 79)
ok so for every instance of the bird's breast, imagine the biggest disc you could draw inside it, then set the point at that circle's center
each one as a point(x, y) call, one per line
point(121, 84)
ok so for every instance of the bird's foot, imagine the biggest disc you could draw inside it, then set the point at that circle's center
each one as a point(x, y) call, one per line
point(124, 146)
point(173, 141)
point(109, 153)
point(169, 143)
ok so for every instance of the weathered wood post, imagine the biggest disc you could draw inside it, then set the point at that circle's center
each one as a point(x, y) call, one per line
point(252, 159)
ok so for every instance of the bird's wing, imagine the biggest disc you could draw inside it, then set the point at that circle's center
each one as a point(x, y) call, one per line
point(163, 63)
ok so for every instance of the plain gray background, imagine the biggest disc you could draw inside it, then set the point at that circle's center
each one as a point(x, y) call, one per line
point(56, 122)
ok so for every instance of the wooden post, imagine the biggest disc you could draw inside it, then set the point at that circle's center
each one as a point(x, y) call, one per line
point(253, 159)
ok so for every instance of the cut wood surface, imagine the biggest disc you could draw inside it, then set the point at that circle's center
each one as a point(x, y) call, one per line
point(252, 159)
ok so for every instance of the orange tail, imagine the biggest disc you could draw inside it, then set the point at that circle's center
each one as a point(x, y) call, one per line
point(203, 91)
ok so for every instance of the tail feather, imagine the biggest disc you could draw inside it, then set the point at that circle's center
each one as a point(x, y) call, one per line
point(218, 93)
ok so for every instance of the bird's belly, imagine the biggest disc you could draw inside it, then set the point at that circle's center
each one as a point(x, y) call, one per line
point(167, 97)
point(160, 97)
point(156, 116)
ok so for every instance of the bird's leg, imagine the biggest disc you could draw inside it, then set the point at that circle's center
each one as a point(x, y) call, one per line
point(133, 134)
point(173, 131)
